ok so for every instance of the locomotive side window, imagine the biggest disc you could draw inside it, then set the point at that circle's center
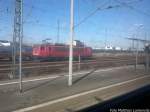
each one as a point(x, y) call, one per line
point(49, 48)
point(42, 48)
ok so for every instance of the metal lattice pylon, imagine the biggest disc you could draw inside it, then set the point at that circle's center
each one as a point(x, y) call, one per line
point(17, 39)
point(16, 33)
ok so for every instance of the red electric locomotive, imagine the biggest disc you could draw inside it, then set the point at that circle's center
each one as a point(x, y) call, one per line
point(57, 51)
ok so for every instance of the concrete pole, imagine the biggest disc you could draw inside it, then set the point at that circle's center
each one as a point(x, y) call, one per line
point(147, 55)
point(20, 48)
point(79, 61)
point(105, 37)
point(58, 30)
point(134, 53)
point(147, 62)
point(14, 56)
point(71, 43)
point(137, 49)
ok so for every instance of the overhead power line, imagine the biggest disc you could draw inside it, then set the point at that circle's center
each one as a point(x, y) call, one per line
point(28, 15)
point(100, 8)
point(91, 14)
point(133, 8)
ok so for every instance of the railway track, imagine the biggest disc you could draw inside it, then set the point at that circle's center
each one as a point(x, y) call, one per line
point(32, 63)
point(40, 68)
point(43, 65)
point(56, 64)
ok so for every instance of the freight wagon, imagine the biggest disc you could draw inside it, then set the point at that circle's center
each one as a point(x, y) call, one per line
point(6, 52)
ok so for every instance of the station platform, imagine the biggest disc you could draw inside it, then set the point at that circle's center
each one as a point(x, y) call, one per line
point(52, 94)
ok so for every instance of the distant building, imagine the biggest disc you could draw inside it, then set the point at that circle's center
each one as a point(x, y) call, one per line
point(108, 48)
point(4, 43)
point(78, 43)
point(117, 48)
point(147, 47)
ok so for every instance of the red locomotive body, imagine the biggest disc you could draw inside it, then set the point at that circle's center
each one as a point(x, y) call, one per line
point(45, 51)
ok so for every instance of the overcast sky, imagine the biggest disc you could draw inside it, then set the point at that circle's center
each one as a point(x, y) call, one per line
point(107, 26)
